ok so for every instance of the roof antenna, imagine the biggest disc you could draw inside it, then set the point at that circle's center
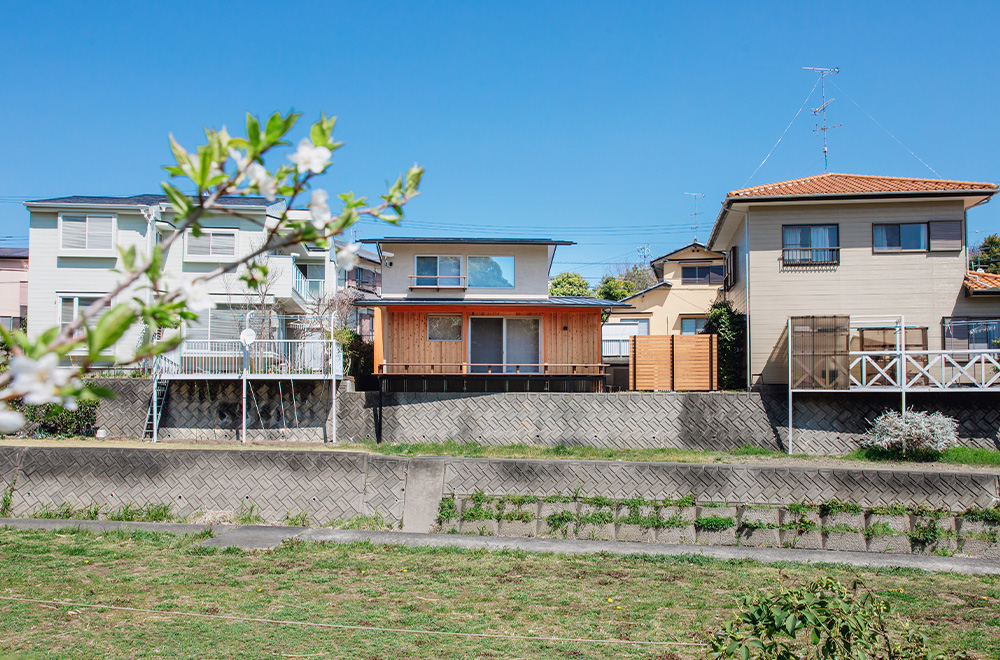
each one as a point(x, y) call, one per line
point(823, 73)
point(643, 252)
point(694, 216)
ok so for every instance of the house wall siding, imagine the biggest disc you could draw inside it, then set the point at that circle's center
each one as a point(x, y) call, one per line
point(531, 270)
point(922, 286)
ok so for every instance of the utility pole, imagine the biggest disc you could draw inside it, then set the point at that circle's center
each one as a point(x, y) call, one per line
point(821, 110)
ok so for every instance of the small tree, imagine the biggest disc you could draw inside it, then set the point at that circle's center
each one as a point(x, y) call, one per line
point(614, 288)
point(569, 284)
point(914, 434)
point(730, 328)
point(986, 255)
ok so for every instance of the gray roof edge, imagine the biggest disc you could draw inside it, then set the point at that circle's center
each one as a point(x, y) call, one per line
point(471, 241)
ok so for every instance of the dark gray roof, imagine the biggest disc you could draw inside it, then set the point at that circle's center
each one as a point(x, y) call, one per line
point(551, 301)
point(471, 241)
point(142, 200)
point(694, 244)
point(367, 255)
point(13, 253)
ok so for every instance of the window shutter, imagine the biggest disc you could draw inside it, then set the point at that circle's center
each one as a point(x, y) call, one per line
point(99, 231)
point(198, 246)
point(224, 244)
point(946, 235)
point(225, 324)
point(732, 268)
point(74, 233)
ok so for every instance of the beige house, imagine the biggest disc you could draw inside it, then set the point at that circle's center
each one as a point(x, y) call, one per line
point(867, 254)
point(689, 280)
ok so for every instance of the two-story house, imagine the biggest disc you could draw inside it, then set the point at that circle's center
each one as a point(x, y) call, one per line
point(474, 314)
point(13, 287)
point(688, 281)
point(841, 264)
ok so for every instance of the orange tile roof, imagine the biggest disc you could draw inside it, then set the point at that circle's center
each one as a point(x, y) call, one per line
point(982, 281)
point(853, 184)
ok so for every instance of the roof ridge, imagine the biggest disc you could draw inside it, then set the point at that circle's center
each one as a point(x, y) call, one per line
point(840, 183)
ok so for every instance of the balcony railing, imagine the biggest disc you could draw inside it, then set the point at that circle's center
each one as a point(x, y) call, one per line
point(476, 369)
point(438, 282)
point(971, 369)
point(820, 256)
point(616, 348)
point(308, 289)
point(275, 357)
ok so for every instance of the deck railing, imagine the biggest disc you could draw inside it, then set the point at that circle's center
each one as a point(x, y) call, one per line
point(615, 347)
point(305, 287)
point(955, 369)
point(314, 357)
point(476, 369)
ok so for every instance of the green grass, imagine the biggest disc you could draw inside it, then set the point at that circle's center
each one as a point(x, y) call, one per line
point(683, 598)
point(955, 456)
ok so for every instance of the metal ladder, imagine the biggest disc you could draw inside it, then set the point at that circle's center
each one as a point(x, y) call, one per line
point(155, 414)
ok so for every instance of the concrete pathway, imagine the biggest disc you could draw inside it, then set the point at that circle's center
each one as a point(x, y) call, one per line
point(260, 537)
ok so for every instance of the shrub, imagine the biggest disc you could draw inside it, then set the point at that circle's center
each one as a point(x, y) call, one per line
point(913, 434)
point(447, 511)
point(833, 507)
point(730, 326)
point(50, 419)
point(7, 499)
point(824, 620)
point(972, 513)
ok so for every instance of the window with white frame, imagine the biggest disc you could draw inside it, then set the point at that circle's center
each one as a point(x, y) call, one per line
point(438, 271)
point(70, 306)
point(88, 233)
point(444, 327)
point(211, 244)
point(219, 324)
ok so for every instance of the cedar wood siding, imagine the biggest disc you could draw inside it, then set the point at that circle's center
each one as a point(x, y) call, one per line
point(923, 286)
point(405, 335)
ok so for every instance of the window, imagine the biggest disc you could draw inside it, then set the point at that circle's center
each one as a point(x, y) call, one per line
point(504, 345)
point(71, 306)
point(211, 244)
point(810, 244)
point(692, 326)
point(87, 232)
point(702, 274)
point(491, 272)
point(732, 267)
point(961, 333)
point(444, 328)
point(438, 271)
point(219, 324)
point(366, 277)
point(899, 237)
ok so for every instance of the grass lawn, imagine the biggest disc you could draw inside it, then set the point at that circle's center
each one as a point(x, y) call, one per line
point(504, 592)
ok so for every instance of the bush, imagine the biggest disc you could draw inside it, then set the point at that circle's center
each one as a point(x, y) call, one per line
point(913, 434)
point(50, 419)
point(824, 620)
point(730, 326)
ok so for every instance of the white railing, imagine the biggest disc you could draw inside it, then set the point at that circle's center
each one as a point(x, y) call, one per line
point(925, 370)
point(615, 347)
point(263, 357)
point(305, 287)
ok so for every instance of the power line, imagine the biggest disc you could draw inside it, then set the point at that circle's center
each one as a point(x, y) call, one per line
point(797, 113)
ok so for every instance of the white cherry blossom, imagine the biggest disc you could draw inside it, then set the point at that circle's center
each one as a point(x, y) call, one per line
point(347, 256)
point(310, 158)
point(10, 420)
point(239, 158)
point(318, 209)
point(194, 292)
point(265, 183)
point(38, 381)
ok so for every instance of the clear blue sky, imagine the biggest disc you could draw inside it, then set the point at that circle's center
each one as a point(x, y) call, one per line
point(577, 120)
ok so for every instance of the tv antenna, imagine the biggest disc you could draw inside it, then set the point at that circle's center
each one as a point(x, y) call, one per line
point(694, 216)
point(821, 110)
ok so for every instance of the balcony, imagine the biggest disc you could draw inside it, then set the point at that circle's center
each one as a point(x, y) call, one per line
point(307, 289)
point(438, 282)
point(615, 348)
point(475, 369)
point(802, 256)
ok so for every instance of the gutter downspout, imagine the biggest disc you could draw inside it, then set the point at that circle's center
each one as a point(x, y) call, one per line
point(746, 241)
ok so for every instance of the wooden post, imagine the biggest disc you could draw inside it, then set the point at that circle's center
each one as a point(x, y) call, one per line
point(673, 361)
point(378, 339)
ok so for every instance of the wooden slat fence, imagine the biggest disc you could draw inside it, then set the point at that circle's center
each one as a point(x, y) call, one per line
point(674, 362)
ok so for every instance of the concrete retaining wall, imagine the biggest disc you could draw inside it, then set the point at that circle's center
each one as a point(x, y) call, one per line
point(329, 485)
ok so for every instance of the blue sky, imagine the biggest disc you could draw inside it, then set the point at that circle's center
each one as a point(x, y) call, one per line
point(578, 120)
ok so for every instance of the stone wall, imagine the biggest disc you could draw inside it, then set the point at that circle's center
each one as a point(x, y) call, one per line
point(334, 485)
point(300, 411)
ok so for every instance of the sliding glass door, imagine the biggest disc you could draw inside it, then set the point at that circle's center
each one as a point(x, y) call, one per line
point(514, 342)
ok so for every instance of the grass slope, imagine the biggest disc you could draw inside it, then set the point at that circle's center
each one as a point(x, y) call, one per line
point(604, 597)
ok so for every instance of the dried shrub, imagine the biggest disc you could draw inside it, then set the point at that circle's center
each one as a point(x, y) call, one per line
point(913, 434)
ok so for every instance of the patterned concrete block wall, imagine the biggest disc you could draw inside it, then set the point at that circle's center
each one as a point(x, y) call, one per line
point(326, 485)
point(335, 485)
point(824, 423)
point(743, 484)
point(300, 411)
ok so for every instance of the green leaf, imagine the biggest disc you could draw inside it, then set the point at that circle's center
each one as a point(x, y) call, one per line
point(791, 623)
point(413, 177)
point(274, 129)
point(128, 257)
point(101, 392)
point(253, 131)
point(745, 652)
point(155, 263)
point(815, 636)
point(181, 202)
point(110, 328)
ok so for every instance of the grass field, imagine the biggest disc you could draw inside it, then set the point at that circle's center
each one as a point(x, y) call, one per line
point(599, 597)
